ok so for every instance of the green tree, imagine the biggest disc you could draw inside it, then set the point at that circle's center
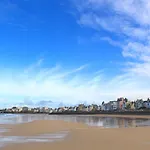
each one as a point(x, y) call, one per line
point(126, 100)
point(128, 106)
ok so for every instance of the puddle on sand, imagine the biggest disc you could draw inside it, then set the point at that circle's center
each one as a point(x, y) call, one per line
point(5, 140)
point(2, 130)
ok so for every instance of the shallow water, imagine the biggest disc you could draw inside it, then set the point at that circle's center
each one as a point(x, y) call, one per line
point(106, 122)
point(2, 130)
point(16, 119)
point(5, 140)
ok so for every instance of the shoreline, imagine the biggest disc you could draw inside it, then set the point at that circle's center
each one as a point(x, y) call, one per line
point(138, 112)
point(104, 114)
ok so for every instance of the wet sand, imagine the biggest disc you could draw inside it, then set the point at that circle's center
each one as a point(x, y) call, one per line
point(80, 137)
point(124, 116)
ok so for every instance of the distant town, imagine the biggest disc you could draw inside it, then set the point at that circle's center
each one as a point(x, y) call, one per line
point(120, 105)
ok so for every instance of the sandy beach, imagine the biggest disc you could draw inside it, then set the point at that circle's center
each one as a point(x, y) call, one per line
point(79, 136)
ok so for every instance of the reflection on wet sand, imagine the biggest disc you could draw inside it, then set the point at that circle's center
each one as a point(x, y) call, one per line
point(106, 122)
point(36, 134)
point(2, 130)
point(5, 140)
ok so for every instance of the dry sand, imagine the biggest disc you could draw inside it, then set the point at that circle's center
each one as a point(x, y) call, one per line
point(82, 137)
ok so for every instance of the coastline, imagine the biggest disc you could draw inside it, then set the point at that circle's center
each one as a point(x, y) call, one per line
point(104, 113)
point(123, 114)
point(128, 113)
point(80, 136)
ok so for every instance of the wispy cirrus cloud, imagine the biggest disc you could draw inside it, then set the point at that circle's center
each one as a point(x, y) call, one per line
point(13, 14)
point(54, 85)
point(127, 20)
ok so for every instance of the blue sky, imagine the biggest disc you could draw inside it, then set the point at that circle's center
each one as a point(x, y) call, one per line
point(71, 51)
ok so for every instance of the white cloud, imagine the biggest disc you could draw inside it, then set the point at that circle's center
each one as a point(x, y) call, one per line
point(70, 86)
point(137, 50)
point(128, 20)
point(108, 39)
point(138, 10)
point(140, 69)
